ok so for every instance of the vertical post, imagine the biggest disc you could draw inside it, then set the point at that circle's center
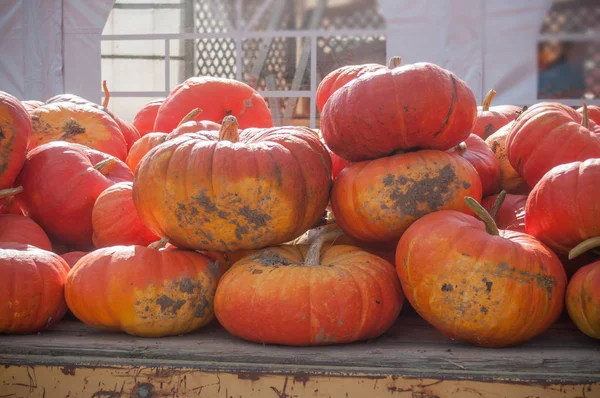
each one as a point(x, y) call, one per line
point(188, 24)
point(239, 53)
point(313, 81)
point(167, 66)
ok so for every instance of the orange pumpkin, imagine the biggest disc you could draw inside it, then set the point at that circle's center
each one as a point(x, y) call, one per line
point(76, 123)
point(313, 295)
point(217, 97)
point(476, 284)
point(418, 106)
point(21, 229)
point(583, 299)
point(142, 290)
point(115, 220)
point(15, 130)
point(144, 119)
point(510, 180)
point(376, 201)
point(490, 119)
point(31, 288)
point(227, 191)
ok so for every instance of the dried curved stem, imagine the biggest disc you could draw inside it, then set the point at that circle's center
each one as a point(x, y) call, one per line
point(159, 244)
point(585, 121)
point(8, 192)
point(461, 147)
point(497, 204)
point(584, 246)
point(229, 129)
point(106, 94)
point(192, 114)
point(490, 224)
point(313, 256)
point(106, 165)
point(395, 62)
point(487, 101)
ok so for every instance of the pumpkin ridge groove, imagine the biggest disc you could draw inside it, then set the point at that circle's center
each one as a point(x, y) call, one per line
point(452, 102)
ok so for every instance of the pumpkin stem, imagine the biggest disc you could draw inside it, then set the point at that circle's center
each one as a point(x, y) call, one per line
point(585, 121)
point(8, 192)
point(487, 101)
point(159, 244)
point(193, 113)
point(584, 246)
point(229, 129)
point(490, 224)
point(106, 165)
point(106, 94)
point(313, 256)
point(497, 204)
point(462, 147)
point(395, 62)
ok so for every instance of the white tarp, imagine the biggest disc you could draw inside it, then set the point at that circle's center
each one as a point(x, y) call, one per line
point(489, 44)
point(51, 47)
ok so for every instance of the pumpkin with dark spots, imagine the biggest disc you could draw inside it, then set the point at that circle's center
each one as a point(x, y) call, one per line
point(550, 134)
point(309, 295)
point(583, 299)
point(481, 157)
point(231, 190)
point(491, 118)
point(15, 131)
point(418, 106)
point(518, 280)
point(115, 220)
point(510, 180)
point(159, 292)
point(61, 182)
point(376, 201)
point(77, 123)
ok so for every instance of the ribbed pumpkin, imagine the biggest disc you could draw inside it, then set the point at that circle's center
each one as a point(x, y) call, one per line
point(583, 299)
point(510, 214)
point(217, 97)
point(562, 210)
point(61, 182)
point(376, 201)
point(115, 220)
point(21, 229)
point(76, 123)
point(142, 290)
point(490, 119)
point(339, 77)
point(414, 106)
point(476, 284)
point(481, 157)
point(510, 180)
point(31, 288)
point(145, 118)
point(550, 134)
point(15, 131)
point(30, 105)
point(305, 296)
point(226, 190)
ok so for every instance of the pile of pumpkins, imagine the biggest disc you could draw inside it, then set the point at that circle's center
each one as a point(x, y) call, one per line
point(201, 208)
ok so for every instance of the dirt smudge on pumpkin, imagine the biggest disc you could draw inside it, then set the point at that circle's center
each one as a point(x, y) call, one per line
point(483, 309)
point(447, 287)
point(2, 135)
point(488, 285)
point(254, 216)
point(187, 286)
point(429, 190)
point(167, 304)
point(72, 128)
point(204, 201)
point(200, 310)
point(466, 185)
point(488, 130)
point(270, 258)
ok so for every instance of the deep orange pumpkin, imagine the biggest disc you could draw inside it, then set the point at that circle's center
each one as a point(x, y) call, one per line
point(481, 157)
point(61, 182)
point(81, 124)
point(376, 201)
point(145, 118)
point(309, 296)
point(562, 210)
point(21, 229)
point(510, 180)
point(15, 131)
point(32, 288)
point(217, 97)
point(414, 106)
point(511, 213)
point(490, 119)
point(583, 299)
point(72, 257)
point(227, 191)
point(115, 220)
point(143, 291)
point(550, 134)
point(339, 77)
point(485, 287)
